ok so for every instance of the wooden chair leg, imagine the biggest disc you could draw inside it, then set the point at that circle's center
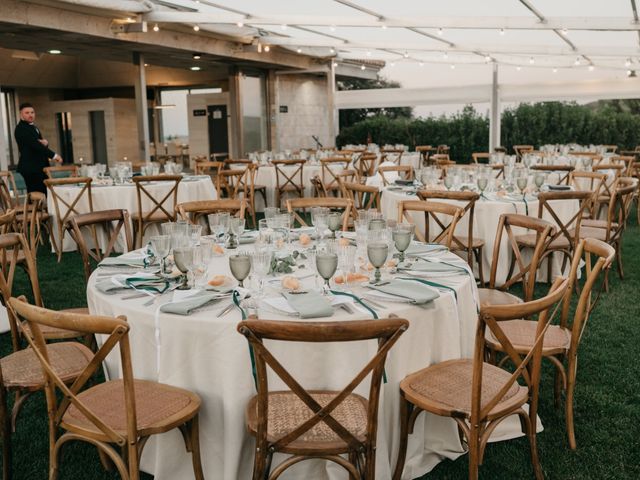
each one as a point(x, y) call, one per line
point(571, 385)
point(405, 412)
point(619, 261)
point(480, 269)
point(260, 471)
point(195, 448)
point(529, 425)
point(474, 453)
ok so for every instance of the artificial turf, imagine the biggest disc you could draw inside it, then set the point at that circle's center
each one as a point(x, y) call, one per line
point(607, 400)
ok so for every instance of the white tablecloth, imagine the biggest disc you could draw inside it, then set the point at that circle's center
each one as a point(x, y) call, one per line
point(207, 355)
point(487, 214)
point(124, 196)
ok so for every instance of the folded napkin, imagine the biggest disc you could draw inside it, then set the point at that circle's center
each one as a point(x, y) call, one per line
point(424, 248)
point(123, 261)
point(432, 267)
point(189, 304)
point(108, 286)
point(309, 304)
point(413, 292)
point(140, 281)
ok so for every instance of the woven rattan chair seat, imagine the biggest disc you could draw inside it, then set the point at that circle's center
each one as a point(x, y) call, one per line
point(159, 408)
point(54, 332)
point(287, 411)
point(22, 368)
point(598, 224)
point(445, 388)
point(491, 296)
point(597, 233)
point(529, 240)
point(521, 334)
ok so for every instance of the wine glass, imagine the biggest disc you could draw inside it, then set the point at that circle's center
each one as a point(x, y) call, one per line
point(194, 234)
point(183, 257)
point(261, 263)
point(334, 221)
point(448, 182)
point(402, 236)
point(482, 182)
point(236, 228)
point(521, 182)
point(327, 264)
point(377, 224)
point(538, 180)
point(377, 251)
point(161, 245)
point(319, 220)
point(203, 258)
point(240, 265)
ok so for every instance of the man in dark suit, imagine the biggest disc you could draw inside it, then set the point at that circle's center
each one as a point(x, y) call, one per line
point(34, 150)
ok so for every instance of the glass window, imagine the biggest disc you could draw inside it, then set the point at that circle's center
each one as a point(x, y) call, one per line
point(254, 113)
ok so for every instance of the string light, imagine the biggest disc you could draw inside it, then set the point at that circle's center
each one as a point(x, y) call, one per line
point(335, 64)
point(383, 26)
point(332, 51)
point(392, 64)
point(406, 55)
point(531, 60)
point(267, 48)
point(299, 50)
point(332, 28)
point(362, 67)
point(577, 62)
point(240, 24)
point(627, 63)
point(487, 58)
point(555, 70)
point(421, 64)
point(368, 53)
point(502, 32)
point(196, 28)
point(565, 31)
point(453, 67)
point(195, 68)
point(591, 68)
point(283, 26)
point(518, 68)
point(156, 28)
point(440, 31)
point(445, 55)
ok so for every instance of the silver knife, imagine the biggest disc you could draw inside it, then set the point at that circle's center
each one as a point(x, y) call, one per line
point(225, 310)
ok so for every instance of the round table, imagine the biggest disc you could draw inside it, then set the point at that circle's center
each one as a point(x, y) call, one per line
point(206, 354)
point(107, 197)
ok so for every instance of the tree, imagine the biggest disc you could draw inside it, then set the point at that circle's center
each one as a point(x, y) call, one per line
point(351, 116)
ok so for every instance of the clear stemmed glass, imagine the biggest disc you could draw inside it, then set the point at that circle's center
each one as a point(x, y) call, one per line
point(204, 257)
point(482, 182)
point(334, 221)
point(521, 182)
point(538, 180)
point(319, 220)
point(402, 236)
point(236, 228)
point(194, 234)
point(346, 261)
point(261, 263)
point(240, 265)
point(183, 256)
point(448, 182)
point(327, 264)
point(377, 251)
point(161, 245)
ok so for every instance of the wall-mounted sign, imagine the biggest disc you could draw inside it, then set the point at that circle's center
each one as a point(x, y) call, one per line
point(284, 109)
point(200, 113)
point(216, 114)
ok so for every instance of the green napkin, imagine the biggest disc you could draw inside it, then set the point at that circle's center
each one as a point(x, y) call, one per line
point(424, 248)
point(414, 292)
point(122, 261)
point(151, 284)
point(108, 286)
point(309, 304)
point(189, 304)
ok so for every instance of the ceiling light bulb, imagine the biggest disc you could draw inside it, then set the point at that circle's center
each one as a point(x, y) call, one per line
point(55, 52)
point(335, 64)
point(440, 31)
point(146, 64)
point(555, 70)
point(406, 55)
point(487, 58)
point(196, 28)
point(332, 28)
point(577, 62)
point(518, 68)
point(383, 26)
point(453, 67)
point(368, 53)
point(629, 73)
point(299, 50)
point(392, 64)
point(195, 68)
point(531, 60)
point(445, 55)
point(627, 63)
point(240, 24)
point(362, 67)
point(565, 31)
point(591, 68)
point(197, 56)
point(267, 48)
point(502, 32)
point(332, 50)
point(421, 64)
point(156, 28)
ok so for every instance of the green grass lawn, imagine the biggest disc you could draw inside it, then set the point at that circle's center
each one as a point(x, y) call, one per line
point(607, 413)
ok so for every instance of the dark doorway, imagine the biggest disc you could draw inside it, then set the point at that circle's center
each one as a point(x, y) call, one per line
point(218, 129)
point(65, 137)
point(98, 136)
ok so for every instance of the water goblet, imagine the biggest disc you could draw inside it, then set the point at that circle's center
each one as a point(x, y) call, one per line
point(402, 235)
point(448, 182)
point(161, 245)
point(194, 232)
point(240, 266)
point(377, 251)
point(327, 264)
point(482, 182)
point(521, 182)
point(346, 261)
point(377, 224)
point(334, 221)
point(183, 257)
point(538, 180)
point(261, 263)
point(236, 228)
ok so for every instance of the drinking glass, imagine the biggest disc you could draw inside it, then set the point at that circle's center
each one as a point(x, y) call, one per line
point(161, 245)
point(448, 182)
point(346, 261)
point(194, 234)
point(402, 236)
point(218, 224)
point(204, 257)
point(482, 182)
point(183, 257)
point(236, 227)
point(521, 182)
point(377, 224)
point(319, 219)
point(261, 262)
point(240, 265)
point(539, 180)
point(334, 221)
point(270, 212)
point(377, 251)
point(327, 264)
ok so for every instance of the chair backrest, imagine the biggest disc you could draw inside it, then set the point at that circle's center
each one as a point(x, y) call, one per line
point(480, 157)
point(8, 221)
point(194, 211)
point(385, 331)
point(11, 244)
point(563, 171)
point(443, 149)
point(295, 205)
point(424, 151)
point(441, 160)
point(318, 188)
point(9, 181)
point(61, 171)
point(365, 164)
point(330, 167)
point(348, 175)
point(363, 196)
point(526, 273)
point(568, 228)
point(519, 150)
point(56, 185)
point(592, 181)
point(444, 215)
point(391, 155)
point(289, 175)
point(468, 207)
point(164, 205)
point(113, 222)
point(115, 332)
point(617, 168)
point(526, 365)
point(624, 189)
point(208, 168)
point(404, 171)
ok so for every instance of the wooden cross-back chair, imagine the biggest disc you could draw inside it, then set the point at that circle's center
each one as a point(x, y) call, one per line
point(114, 415)
point(563, 171)
point(612, 229)
point(526, 273)
point(610, 148)
point(297, 205)
point(66, 209)
point(161, 207)
point(9, 181)
point(115, 224)
point(391, 155)
point(365, 164)
point(520, 150)
point(441, 159)
point(317, 187)
point(212, 169)
point(348, 175)
point(563, 339)
point(592, 181)
point(330, 167)
point(61, 171)
point(477, 394)
point(195, 212)
point(424, 151)
point(567, 231)
point(289, 179)
point(33, 218)
point(472, 246)
point(316, 423)
point(444, 215)
point(443, 149)
point(480, 157)
point(404, 172)
point(364, 197)
point(21, 375)
point(626, 160)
